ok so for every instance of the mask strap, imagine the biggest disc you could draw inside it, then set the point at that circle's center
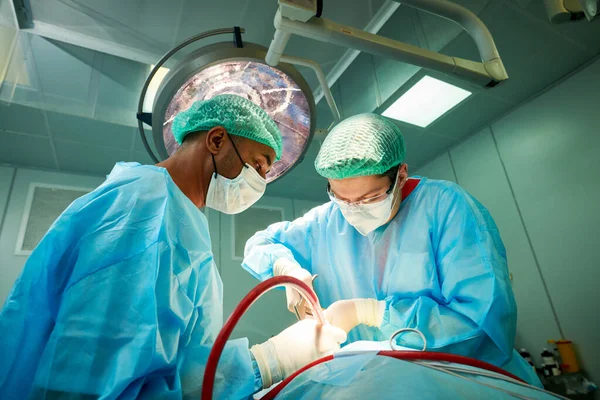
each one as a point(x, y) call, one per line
point(236, 150)
point(214, 165)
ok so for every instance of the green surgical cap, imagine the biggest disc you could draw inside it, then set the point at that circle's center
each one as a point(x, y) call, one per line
point(366, 144)
point(237, 115)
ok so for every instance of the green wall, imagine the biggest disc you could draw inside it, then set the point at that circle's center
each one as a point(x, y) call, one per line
point(536, 169)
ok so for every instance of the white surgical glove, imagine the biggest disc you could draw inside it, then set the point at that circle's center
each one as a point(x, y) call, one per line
point(298, 345)
point(347, 314)
point(284, 266)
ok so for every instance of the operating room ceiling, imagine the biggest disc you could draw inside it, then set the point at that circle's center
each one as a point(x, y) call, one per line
point(72, 107)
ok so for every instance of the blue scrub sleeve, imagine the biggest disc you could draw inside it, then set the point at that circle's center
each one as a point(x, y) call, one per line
point(266, 247)
point(258, 382)
point(133, 330)
point(477, 314)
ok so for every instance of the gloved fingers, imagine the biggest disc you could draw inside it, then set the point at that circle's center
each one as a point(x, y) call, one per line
point(285, 266)
point(336, 333)
point(329, 338)
point(294, 298)
point(342, 314)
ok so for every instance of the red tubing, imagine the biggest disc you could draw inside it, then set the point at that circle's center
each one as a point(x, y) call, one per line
point(215, 353)
point(400, 355)
point(453, 358)
point(263, 287)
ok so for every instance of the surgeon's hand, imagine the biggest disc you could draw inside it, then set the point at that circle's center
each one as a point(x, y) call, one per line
point(284, 266)
point(298, 345)
point(347, 314)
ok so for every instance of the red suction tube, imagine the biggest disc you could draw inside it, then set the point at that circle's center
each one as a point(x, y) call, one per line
point(254, 294)
point(215, 353)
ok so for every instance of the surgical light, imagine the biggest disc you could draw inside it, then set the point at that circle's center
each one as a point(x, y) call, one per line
point(153, 87)
point(229, 68)
point(426, 101)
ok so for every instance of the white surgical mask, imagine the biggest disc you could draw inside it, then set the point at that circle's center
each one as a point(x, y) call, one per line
point(232, 196)
point(365, 218)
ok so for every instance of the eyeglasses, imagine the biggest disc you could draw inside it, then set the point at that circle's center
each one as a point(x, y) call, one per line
point(367, 201)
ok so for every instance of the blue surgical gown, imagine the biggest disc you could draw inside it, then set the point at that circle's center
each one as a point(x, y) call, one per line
point(120, 299)
point(440, 266)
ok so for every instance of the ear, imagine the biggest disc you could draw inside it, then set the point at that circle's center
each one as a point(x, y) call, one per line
point(215, 139)
point(402, 174)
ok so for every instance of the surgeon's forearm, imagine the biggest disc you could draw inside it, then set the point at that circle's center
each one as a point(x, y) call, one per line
point(260, 259)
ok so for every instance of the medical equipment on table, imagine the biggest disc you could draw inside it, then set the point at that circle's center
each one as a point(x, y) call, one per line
point(484, 375)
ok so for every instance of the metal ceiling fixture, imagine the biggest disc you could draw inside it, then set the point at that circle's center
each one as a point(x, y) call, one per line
point(303, 18)
point(560, 11)
point(234, 67)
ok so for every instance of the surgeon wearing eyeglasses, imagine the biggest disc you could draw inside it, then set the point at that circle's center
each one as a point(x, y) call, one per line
point(394, 251)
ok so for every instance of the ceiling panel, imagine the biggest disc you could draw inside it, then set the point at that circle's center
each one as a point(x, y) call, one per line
point(551, 62)
point(6, 14)
point(15, 94)
point(467, 117)
point(582, 33)
point(392, 74)
point(63, 70)
point(18, 118)
point(204, 15)
point(517, 34)
point(90, 131)
point(88, 19)
point(121, 82)
point(358, 88)
point(27, 150)
point(55, 12)
point(143, 20)
point(8, 35)
point(89, 159)
point(254, 15)
point(422, 146)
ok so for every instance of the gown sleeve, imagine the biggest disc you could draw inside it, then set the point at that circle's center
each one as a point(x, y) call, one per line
point(476, 314)
point(291, 240)
point(141, 327)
